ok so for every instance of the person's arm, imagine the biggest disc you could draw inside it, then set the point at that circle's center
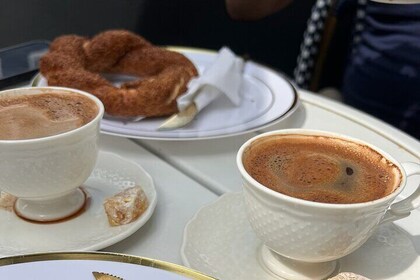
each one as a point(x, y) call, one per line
point(254, 9)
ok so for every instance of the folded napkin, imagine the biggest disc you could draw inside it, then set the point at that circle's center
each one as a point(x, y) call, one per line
point(222, 77)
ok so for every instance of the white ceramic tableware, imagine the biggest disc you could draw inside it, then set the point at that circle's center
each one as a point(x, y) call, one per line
point(82, 265)
point(267, 99)
point(45, 173)
point(90, 230)
point(302, 239)
point(219, 241)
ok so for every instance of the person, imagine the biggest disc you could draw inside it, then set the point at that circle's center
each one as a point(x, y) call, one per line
point(382, 70)
point(169, 23)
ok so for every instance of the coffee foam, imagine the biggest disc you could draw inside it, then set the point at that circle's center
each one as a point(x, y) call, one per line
point(41, 115)
point(321, 169)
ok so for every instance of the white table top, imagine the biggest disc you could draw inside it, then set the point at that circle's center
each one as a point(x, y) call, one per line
point(191, 174)
point(212, 162)
point(161, 237)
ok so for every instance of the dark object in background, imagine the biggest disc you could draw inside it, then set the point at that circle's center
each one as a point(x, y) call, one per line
point(24, 21)
point(273, 41)
point(19, 63)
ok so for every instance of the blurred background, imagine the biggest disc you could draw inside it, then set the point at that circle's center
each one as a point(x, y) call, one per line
point(273, 41)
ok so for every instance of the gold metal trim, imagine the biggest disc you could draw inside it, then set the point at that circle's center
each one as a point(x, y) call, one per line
point(106, 256)
point(385, 134)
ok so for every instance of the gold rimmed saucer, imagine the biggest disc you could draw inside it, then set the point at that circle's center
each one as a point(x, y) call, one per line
point(268, 98)
point(80, 265)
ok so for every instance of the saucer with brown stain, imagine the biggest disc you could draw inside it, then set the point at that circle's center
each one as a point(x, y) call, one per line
point(88, 229)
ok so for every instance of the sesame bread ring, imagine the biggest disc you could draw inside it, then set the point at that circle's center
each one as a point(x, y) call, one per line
point(78, 62)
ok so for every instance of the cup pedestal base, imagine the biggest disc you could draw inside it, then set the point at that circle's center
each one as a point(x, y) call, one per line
point(286, 268)
point(50, 210)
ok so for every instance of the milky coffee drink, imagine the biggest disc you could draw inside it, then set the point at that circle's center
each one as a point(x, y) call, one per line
point(321, 168)
point(41, 115)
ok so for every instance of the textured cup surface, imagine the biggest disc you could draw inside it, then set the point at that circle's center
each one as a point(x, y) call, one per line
point(52, 165)
point(305, 230)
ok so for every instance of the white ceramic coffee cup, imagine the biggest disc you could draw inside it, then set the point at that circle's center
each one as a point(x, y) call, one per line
point(45, 173)
point(301, 238)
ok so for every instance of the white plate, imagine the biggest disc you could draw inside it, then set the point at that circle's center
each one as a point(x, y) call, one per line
point(72, 266)
point(90, 230)
point(268, 98)
point(219, 241)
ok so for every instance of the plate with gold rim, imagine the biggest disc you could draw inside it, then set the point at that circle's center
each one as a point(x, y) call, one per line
point(267, 99)
point(89, 230)
point(81, 265)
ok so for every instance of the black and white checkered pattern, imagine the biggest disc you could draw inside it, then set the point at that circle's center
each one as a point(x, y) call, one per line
point(313, 35)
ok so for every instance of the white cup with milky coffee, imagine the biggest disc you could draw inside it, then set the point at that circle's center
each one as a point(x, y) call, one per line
point(48, 148)
point(313, 197)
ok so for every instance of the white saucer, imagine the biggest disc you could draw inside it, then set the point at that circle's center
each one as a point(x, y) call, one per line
point(220, 242)
point(80, 265)
point(90, 230)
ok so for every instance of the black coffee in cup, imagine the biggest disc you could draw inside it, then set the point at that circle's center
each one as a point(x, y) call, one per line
point(321, 168)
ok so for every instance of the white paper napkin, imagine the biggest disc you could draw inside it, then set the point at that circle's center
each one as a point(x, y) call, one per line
point(223, 76)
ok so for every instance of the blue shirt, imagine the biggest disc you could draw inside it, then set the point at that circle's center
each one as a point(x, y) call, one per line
point(383, 73)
